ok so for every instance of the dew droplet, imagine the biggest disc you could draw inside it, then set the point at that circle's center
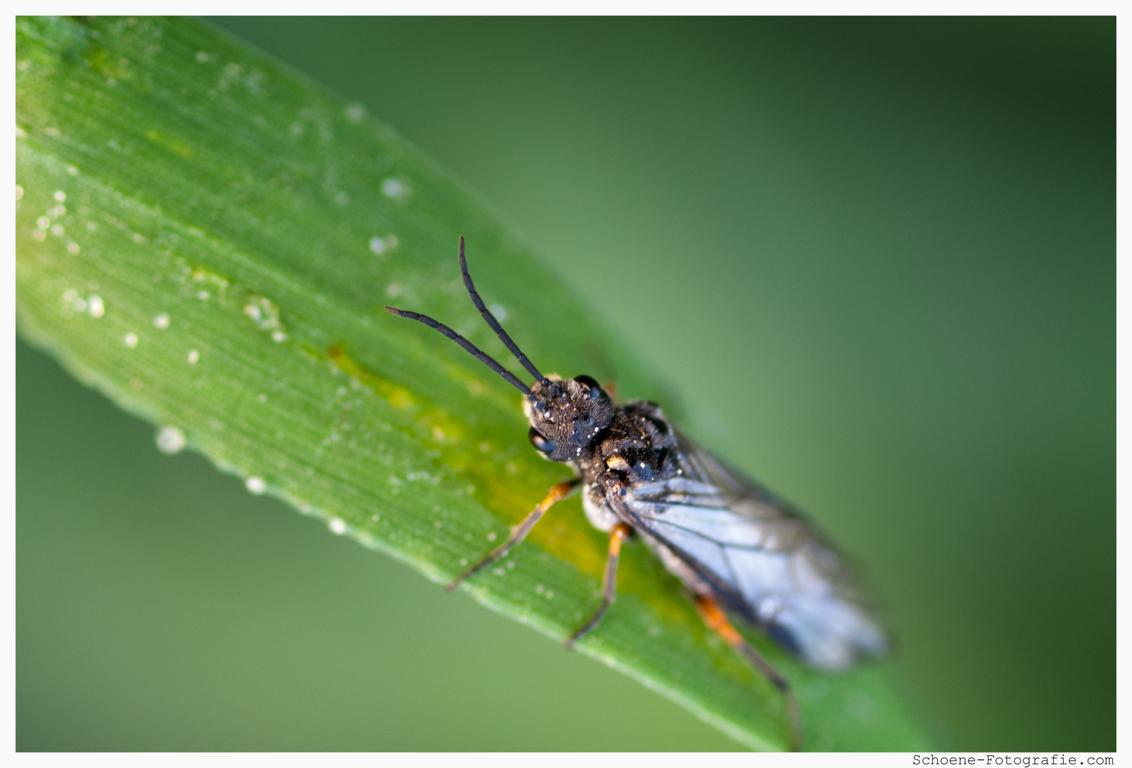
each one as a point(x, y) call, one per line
point(336, 525)
point(355, 112)
point(255, 484)
point(265, 315)
point(60, 196)
point(161, 321)
point(19, 192)
point(170, 440)
point(130, 340)
point(193, 357)
point(96, 307)
point(73, 248)
point(74, 301)
point(393, 187)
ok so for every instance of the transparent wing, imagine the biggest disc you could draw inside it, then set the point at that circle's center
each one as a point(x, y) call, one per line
point(761, 557)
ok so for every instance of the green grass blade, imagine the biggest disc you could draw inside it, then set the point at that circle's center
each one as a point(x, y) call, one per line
point(209, 239)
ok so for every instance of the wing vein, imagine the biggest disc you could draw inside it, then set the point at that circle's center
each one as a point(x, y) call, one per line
point(658, 502)
point(723, 544)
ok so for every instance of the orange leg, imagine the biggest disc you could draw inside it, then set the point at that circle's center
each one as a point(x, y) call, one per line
point(557, 493)
point(718, 622)
point(609, 583)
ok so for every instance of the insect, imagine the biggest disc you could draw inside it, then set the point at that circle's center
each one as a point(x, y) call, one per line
point(738, 549)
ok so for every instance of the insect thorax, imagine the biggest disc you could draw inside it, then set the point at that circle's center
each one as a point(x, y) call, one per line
point(638, 446)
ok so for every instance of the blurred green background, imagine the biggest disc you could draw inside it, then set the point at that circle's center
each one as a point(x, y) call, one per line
point(875, 260)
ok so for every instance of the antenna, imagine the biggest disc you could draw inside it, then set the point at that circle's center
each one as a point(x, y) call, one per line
point(490, 318)
point(475, 351)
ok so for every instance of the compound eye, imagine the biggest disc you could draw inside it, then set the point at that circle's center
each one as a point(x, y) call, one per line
point(589, 383)
point(540, 442)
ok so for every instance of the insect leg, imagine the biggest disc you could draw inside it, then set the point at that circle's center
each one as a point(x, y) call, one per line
point(718, 622)
point(609, 583)
point(557, 492)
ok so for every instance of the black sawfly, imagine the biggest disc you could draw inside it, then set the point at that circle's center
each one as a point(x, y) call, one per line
point(736, 547)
